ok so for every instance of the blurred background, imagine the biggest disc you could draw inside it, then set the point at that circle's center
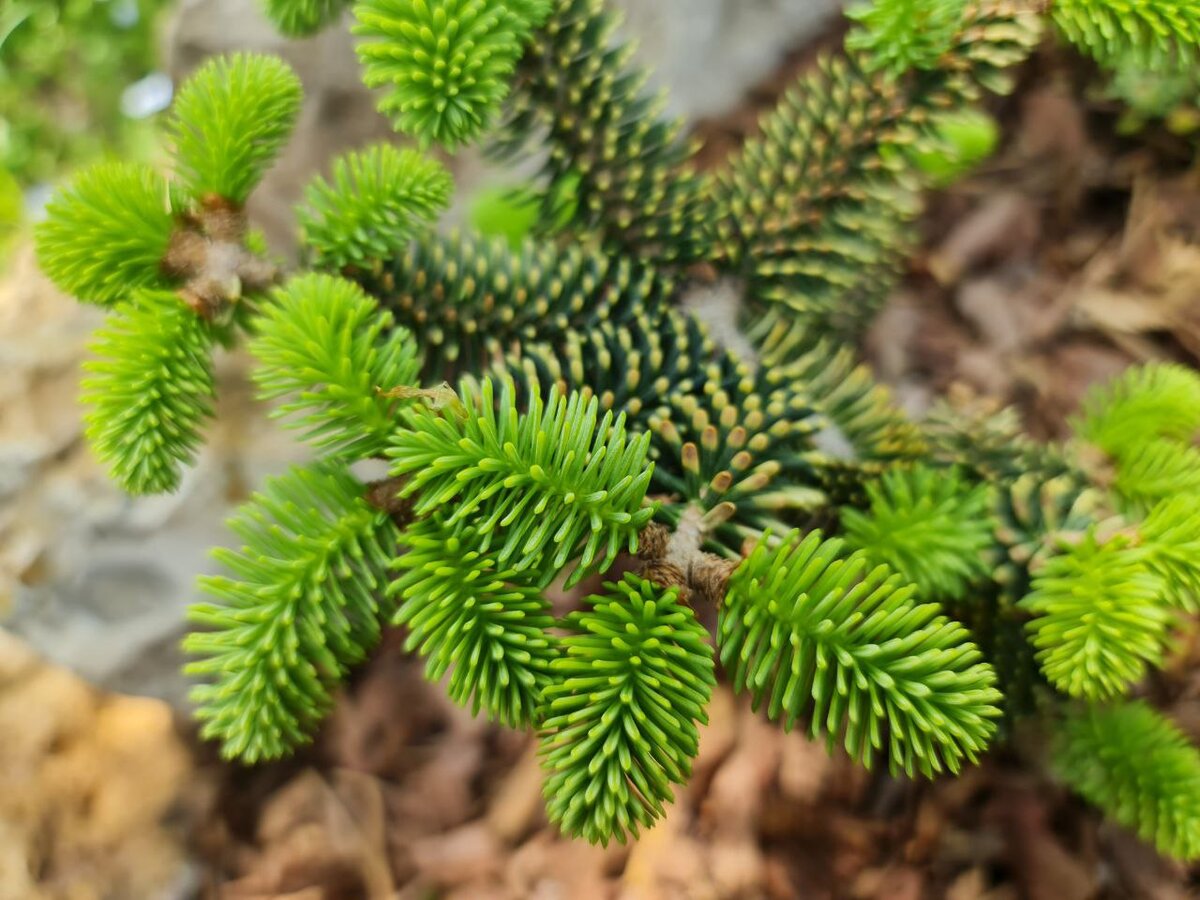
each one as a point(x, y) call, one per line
point(1066, 254)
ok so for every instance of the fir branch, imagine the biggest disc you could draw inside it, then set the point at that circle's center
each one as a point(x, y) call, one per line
point(621, 711)
point(1156, 470)
point(629, 169)
point(376, 200)
point(720, 433)
point(469, 300)
point(486, 624)
point(300, 18)
point(814, 213)
point(106, 233)
point(149, 390)
point(551, 485)
point(297, 609)
point(1034, 511)
point(898, 35)
point(446, 63)
point(325, 343)
point(845, 392)
point(928, 525)
point(229, 122)
point(820, 635)
point(1139, 768)
point(1159, 400)
point(1100, 618)
point(1152, 34)
point(1171, 536)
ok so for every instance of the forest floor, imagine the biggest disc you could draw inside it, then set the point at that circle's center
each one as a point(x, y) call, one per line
point(1067, 256)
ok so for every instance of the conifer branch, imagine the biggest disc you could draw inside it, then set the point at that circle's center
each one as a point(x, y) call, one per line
point(1156, 35)
point(926, 524)
point(633, 681)
point(229, 122)
point(485, 623)
point(326, 344)
point(446, 63)
point(469, 300)
point(1160, 400)
point(298, 607)
point(375, 201)
point(819, 635)
point(813, 212)
point(548, 486)
point(105, 234)
point(628, 169)
point(1100, 618)
point(299, 18)
point(1139, 768)
point(149, 390)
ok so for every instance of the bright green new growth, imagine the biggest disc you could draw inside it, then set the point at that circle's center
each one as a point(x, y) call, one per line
point(106, 233)
point(1157, 34)
point(899, 35)
point(1171, 536)
point(1156, 470)
point(446, 64)
point(1159, 400)
point(149, 390)
point(928, 525)
point(303, 17)
point(230, 120)
point(326, 344)
point(824, 636)
point(296, 610)
point(377, 199)
point(547, 483)
point(1138, 767)
point(621, 711)
point(485, 623)
point(1100, 618)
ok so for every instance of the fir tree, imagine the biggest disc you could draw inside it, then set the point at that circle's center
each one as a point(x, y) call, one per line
point(962, 575)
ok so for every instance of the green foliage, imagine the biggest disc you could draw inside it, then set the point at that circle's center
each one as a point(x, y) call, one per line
point(634, 678)
point(899, 35)
point(1156, 470)
point(959, 142)
point(149, 390)
point(1139, 768)
point(296, 610)
point(63, 67)
point(549, 485)
point(820, 635)
point(1100, 618)
point(229, 122)
point(628, 169)
point(596, 417)
point(928, 525)
point(446, 63)
point(376, 201)
point(303, 17)
point(325, 344)
point(815, 211)
point(470, 614)
point(106, 233)
point(470, 300)
point(1159, 400)
point(1159, 34)
point(1171, 536)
